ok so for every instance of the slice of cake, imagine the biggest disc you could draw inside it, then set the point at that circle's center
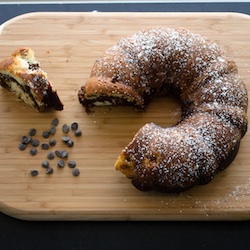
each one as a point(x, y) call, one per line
point(21, 74)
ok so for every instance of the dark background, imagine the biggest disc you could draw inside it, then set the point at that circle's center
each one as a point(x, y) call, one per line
point(8, 11)
point(19, 234)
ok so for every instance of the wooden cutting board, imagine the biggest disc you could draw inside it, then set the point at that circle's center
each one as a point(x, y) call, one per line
point(67, 45)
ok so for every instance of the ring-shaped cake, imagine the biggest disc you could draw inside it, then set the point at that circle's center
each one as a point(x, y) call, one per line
point(212, 95)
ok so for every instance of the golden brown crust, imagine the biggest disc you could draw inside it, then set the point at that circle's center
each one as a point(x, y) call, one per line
point(213, 98)
point(96, 88)
point(22, 75)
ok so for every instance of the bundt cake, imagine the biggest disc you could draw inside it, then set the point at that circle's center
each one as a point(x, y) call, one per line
point(22, 75)
point(213, 99)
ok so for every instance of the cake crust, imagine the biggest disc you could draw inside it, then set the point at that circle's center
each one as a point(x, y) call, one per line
point(22, 75)
point(212, 95)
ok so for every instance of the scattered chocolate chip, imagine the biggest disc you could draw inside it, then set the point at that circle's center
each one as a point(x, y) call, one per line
point(33, 172)
point(46, 134)
point(58, 153)
point(64, 154)
point(32, 132)
point(52, 142)
point(71, 164)
point(25, 139)
point(65, 128)
point(51, 155)
point(33, 151)
point(75, 171)
point(78, 132)
point(65, 138)
point(70, 143)
point(45, 164)
point(74, 126)
point(45, 146)
point(55, 122)
point(49, 170)
point(52, 130)
point(61, 163)
point(22, 146)
point(35, 142)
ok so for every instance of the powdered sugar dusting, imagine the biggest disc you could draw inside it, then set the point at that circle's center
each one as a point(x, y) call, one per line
point(213, 98)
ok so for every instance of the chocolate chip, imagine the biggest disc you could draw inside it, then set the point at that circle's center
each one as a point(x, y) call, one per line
point(70, 143)
point(65, 138)
point(74, 126)
point(49, 170)
point(25, 139)
point(75, 171)
point(55, 122)
point(33, 151)
point(32, 132)
point(35, 142)
point(71, 164)
point(52, 130)
point(65, 128)
point(45, 164)
point(61, 163)
point(45, 146)
point(33, 172)
point(78, 132)
point(51, 155)
point(46, 134)
point(64, 154)
point(58, 153)
point(22, 146)
point(52, 142)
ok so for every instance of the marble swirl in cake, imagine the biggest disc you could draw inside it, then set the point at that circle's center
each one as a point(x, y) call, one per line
point(212, 95)
point(22, 75)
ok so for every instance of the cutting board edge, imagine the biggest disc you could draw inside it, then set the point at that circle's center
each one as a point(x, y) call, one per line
point(43, 214)
point(93, 13)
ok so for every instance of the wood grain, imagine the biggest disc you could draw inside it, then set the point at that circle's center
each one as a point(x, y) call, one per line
point(67, 45)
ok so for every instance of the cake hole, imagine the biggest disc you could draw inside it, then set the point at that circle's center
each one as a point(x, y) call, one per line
point(163, 110)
